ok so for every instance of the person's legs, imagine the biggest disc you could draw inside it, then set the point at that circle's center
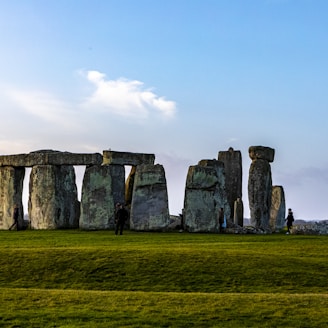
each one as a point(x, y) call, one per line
point(121, 228)
point(13, 226)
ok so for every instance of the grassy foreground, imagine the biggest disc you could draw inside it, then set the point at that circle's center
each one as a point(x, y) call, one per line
point(74, 278)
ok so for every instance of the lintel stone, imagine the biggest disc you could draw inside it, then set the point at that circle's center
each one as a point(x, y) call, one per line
point(127, 158)
point(260, 152)
point(50, 157)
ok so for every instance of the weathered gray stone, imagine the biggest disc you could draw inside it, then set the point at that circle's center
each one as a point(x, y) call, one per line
point(204, 196)
point(149, 207)
point(311, 228)
point(126, 158)
point(50, 157)
point(259, 193)
point(11, 188)
point(278, 208)
point(260, 152)
point(117, 173)
point(53, 200)
point(221, 186)
point(233, 175)
point(102, 187)
point(238, 217)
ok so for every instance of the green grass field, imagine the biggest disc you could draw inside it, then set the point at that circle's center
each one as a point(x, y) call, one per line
point(72, 278)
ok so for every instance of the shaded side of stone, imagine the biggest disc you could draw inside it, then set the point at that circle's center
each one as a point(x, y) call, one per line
point(53, 202)
point(233, 175)
point(238, 217)
point(259, 193)
point(127, 158)
point(11, 189)
point(97, 200)
point(278, 208)
point(149, 207)
point(117, 173)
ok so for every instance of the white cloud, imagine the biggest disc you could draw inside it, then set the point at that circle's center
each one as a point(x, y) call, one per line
point(126, 98)
point(44, 106)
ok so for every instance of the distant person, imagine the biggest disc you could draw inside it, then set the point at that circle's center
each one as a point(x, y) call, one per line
point(121, 216)
point(221, 220)
point(15, 217)
point(289, 220)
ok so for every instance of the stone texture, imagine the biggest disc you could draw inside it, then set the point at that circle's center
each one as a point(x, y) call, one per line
point(103, 186)
point(238, 218)
point(260, 186)
point(117, 173)
point(278, 208)
point(311, 228)
point(260, 152)
point(233, 175)
point(204, 196)
point(50, 157)
point(53, 200)
point(221, 186)
point(11, 188)
point(149, 207)
point(127, 158)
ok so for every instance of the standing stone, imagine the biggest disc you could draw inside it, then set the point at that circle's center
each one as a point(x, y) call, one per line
point(102, 187)
point(221, 192)
point(238, 217)
point(53, 200)
point(233, 175)
point(117, 173)
point(11, 189)
point(149, 208)
point(204, 196)
point(278, 208)
point(260, 185)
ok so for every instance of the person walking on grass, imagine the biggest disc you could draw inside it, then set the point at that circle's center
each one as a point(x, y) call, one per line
point(289, 220)
point(15, 217)
point(121, 216)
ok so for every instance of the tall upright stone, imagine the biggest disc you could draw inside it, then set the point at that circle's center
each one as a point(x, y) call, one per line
point(221, 191)
point(149, 207)
point(233, 175)
point(278, 208)
point(260, 185)
point(238, 217)
point(11, 188)
point(204, 196)
point(102, 187)
point(53, 202)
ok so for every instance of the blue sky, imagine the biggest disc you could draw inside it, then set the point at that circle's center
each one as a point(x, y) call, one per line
point(182, 79)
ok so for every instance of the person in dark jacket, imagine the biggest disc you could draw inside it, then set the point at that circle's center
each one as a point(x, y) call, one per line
point(289, 220)
point(15, 217)
point(121, 216)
